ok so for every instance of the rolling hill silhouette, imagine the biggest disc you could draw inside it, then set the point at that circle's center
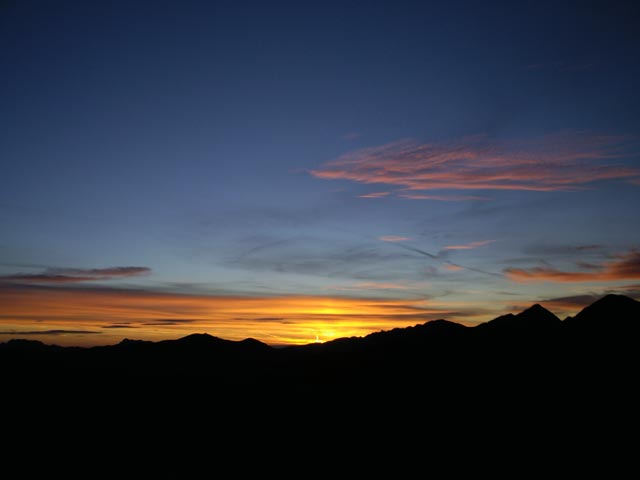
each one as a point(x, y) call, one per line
point(533, 349)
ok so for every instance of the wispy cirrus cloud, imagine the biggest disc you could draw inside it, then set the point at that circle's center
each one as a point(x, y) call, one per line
point(441, 198)
point(48, 332)
point(394, 238)
point(168, 321)
point(374, 195)
point(629, 290)
point(469, 246)
point(570, 302)
point(371, 286)
point(625, 267)
point(452, 267)
point(159, 315)
point(551, 163)
point(562, 249)
point(75, 275)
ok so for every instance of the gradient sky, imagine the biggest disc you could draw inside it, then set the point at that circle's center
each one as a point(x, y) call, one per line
point(301, 171)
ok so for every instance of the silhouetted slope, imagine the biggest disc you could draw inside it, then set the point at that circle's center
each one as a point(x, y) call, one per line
point(609, 313)
point(529, 350)
point(603, 343)
point(24, 345)
point(529, 339)
point(534, 318)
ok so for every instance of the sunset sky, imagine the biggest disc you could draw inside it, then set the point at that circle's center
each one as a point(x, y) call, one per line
point(302, 171)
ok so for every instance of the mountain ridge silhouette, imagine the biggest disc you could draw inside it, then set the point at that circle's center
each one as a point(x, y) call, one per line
point(532, 347)
point(620, 308)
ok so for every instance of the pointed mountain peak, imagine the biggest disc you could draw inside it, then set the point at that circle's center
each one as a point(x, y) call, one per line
point(538, 313)
point(608, 310)
point(536, 308)
point(534, 317)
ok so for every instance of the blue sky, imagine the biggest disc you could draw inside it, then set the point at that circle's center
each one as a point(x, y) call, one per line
point(271, 149)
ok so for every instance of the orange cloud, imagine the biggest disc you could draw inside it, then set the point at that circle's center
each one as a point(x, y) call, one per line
point(561, 162)
point(452, 267)
point(625, 267)
point(393, 238)
point(469, 246)
point(76, 314)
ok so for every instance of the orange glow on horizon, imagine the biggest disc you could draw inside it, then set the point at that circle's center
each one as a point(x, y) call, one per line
point(97, 317)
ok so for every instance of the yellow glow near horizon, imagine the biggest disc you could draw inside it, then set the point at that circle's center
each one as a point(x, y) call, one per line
point(108, 316)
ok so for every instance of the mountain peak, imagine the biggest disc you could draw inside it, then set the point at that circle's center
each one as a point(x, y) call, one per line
point(533, 318)
point(611, 309)
point(614, 300)
point(536, 307)
point(539, 313)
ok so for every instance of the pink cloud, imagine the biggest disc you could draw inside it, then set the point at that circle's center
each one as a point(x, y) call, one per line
point(624, 267)
point(441, 198)
point(550, 163)
point(374, 195)
point(394, 238)
point(469, 246)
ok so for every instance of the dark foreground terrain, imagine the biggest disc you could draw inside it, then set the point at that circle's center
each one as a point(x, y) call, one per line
point(529, 390)
point(533, 351)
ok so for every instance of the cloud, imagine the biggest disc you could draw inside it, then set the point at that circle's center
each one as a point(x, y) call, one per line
point(545, 249)
point(625, 267)
point(452, 267)
point(49, 332)
point(177, 321)
point(571, 302)
point(75, 275)
point(371, 286)
point(469, 246)
point(565, 305)
point(441, 198)
point(551, 163)
point(374, 195)
point(274, 319)
point(394, 238)
point(629, 290)
point(319, 258)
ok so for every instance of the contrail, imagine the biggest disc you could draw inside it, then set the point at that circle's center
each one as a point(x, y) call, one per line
point(476, 270)
point(437, 257)
point(417, 250)
point(427, 254)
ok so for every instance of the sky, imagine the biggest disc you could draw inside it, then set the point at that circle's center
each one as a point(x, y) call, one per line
point(303, 171)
